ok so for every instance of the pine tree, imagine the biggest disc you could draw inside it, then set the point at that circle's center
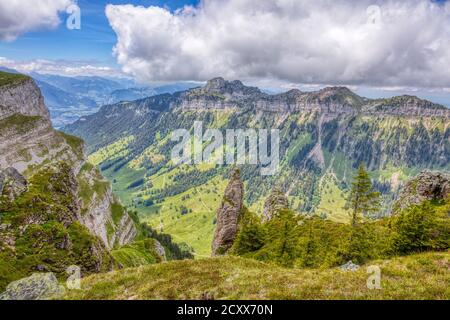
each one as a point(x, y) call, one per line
point(282, 237)
point(420, 228)
point(363, 199)
point(251, 234)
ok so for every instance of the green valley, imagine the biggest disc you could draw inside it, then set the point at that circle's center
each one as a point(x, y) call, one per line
point(324, 136)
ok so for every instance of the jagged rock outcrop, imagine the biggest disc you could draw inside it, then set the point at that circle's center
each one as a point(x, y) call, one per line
point(228, 215)
point(12, 183)
point(349, 266)
point(426, 186)
point(125, 231)
point(275, 202)
point(28, 143)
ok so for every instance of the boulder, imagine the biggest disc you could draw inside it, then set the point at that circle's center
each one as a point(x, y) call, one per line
point(228, 215)
point(40, 286)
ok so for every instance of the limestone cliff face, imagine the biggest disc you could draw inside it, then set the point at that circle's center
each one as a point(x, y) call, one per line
point(275, 202)
point(426, 186)
point(27, 139)
point(99, 220)
point(220, 94)
point(24, 98)
point(100, 212)
point(29, 145)
point(39, 229)
point(228, 215)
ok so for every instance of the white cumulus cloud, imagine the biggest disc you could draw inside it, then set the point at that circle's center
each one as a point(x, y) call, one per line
point(20, 16)
point(377, 43)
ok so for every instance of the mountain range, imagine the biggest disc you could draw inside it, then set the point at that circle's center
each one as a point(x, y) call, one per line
point(324, 136)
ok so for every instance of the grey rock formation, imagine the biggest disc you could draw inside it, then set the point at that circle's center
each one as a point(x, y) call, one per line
point(275, 202)
point(160, 251)
point(29, 143)
point(25, 99)
point(26, 134)
point(125, 231)
point(39, 286)
point(221, 94)
point(228, 215)
point(426, 186)
point(12, 183)
point(97, 214)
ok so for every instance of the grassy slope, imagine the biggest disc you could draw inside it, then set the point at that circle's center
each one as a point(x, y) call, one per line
point(421, 276)
point(333, 201)
point(195, 228)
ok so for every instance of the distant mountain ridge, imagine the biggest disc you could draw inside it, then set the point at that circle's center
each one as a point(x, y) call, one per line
point(70, 98)
point(221, 94)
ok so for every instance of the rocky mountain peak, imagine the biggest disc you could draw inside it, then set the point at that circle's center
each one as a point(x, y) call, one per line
point(336, 95)
point(232, 88)
point(294, 92)
point(228, 215)
point(336, 90)
point(426, 186)
point(215, 84)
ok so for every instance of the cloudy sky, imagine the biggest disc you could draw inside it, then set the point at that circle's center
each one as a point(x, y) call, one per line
point(378, 48)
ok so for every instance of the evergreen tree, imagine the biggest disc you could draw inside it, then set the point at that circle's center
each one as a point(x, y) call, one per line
point(308, 259)
point(283, 233)
point(251, 234)
point(420, 228)
point(363, 199)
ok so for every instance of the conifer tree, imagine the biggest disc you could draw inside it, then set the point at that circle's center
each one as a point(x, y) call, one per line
point(282, 237)
point(363, 200)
